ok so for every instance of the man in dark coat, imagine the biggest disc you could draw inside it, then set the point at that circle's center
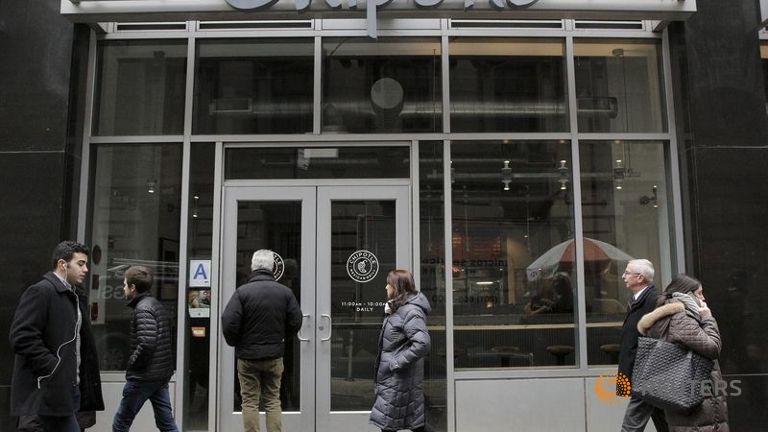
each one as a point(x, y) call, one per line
point(150, 364)
point(638, 277)
point(50, 336)
point(258, 319)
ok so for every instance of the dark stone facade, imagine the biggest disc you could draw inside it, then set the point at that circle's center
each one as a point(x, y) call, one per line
point(40, 146)
point(720, 106)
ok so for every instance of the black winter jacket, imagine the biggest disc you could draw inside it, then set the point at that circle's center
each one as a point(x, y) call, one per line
point(44, 325)
point(259, 317)
point(629, 334)
point(404, 342)
point(151, 354)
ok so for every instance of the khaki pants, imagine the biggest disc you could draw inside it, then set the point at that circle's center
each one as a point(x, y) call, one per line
point(260, 381)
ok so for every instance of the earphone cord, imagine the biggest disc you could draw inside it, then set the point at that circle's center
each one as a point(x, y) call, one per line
point(78, 323)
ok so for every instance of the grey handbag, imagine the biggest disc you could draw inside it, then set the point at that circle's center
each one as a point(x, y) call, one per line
point(669, 376)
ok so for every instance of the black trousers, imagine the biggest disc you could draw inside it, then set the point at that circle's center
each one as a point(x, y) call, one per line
point(638, 413)
point(418, 429)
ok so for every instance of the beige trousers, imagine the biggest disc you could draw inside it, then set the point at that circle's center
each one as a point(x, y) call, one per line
point(260, 382)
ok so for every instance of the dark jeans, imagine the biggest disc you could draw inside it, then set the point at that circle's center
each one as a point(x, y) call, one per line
point(135, 393)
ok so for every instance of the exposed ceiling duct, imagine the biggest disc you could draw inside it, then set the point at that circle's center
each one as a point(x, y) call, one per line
point(247, 107)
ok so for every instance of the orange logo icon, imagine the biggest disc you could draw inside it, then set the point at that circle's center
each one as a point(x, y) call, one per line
point(605, 388)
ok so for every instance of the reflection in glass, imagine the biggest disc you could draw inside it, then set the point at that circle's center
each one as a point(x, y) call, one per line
point(275, 226)
point(254, 86)
point(432, 278)
point(619, 86)
point(136, 190)
point(199, 243)
point(387, 85)
point(508, 85)
point(358, 307)
point(512, 202)
point(318, 162)
point(764, 63)
point(625, 204)
point(140, 88)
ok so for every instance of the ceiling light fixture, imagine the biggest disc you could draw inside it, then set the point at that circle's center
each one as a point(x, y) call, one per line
point(506, 175)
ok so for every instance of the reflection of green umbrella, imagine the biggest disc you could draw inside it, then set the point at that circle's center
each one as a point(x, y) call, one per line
point(594, 250)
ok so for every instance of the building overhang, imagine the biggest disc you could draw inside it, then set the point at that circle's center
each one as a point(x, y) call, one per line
point(92, 11)
point(95, 11)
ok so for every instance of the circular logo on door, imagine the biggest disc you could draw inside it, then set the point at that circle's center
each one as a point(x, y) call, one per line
point(279, 266)
point(362, 266)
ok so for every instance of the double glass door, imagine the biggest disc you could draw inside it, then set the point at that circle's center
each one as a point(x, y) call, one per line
point(334, 246)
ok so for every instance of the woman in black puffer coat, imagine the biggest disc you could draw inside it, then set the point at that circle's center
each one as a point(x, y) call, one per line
point(683, 318)
point(403, 344)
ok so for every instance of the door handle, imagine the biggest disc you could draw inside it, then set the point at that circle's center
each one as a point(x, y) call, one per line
point(330, 327)
point(298, 335)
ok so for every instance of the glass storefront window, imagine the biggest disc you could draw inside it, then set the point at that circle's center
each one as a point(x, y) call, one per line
point(508, 85)
point(388, 85)
point(254, 86)
point(512, 206)
point(135, 214)
point(199, 247)
point(317, 162)
point(626, 205)
point(764, 63)
point(140, 88)
point(619, 86)
point(432, 277)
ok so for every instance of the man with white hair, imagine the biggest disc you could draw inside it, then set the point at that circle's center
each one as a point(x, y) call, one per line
point(258, 319)
point(638, 278)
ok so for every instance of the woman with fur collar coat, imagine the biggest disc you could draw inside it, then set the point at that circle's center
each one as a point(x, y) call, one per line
point(683, 318)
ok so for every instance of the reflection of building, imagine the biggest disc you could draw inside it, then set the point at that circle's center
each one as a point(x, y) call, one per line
point(206, 139)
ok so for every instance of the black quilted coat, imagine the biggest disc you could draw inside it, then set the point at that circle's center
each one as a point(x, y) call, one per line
point(670, 323)
point(399, 371)
point(151, 354)
point(259, 318)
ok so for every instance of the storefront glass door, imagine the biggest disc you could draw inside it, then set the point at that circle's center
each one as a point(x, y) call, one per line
point(335, 246)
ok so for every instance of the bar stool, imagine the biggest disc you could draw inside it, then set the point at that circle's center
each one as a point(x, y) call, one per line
point(612, 350)
point(560, 351)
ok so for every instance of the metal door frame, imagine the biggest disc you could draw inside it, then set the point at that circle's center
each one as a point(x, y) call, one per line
point(352, 421)
point(314, 413)
point(304, 419)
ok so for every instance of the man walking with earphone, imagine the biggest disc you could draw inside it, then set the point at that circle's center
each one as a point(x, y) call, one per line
point(46, 339)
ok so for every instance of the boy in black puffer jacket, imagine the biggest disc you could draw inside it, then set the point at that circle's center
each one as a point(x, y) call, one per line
point(150, 364)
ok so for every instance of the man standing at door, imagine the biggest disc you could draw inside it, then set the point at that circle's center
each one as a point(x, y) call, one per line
point(638, 278)
point(258, 319)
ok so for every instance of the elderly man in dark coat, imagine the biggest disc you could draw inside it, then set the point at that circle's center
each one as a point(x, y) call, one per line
point(260, 318)
point(638, 277)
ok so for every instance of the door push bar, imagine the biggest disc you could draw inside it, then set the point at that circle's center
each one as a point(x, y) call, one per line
point(298, 335)
point(330, 327)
